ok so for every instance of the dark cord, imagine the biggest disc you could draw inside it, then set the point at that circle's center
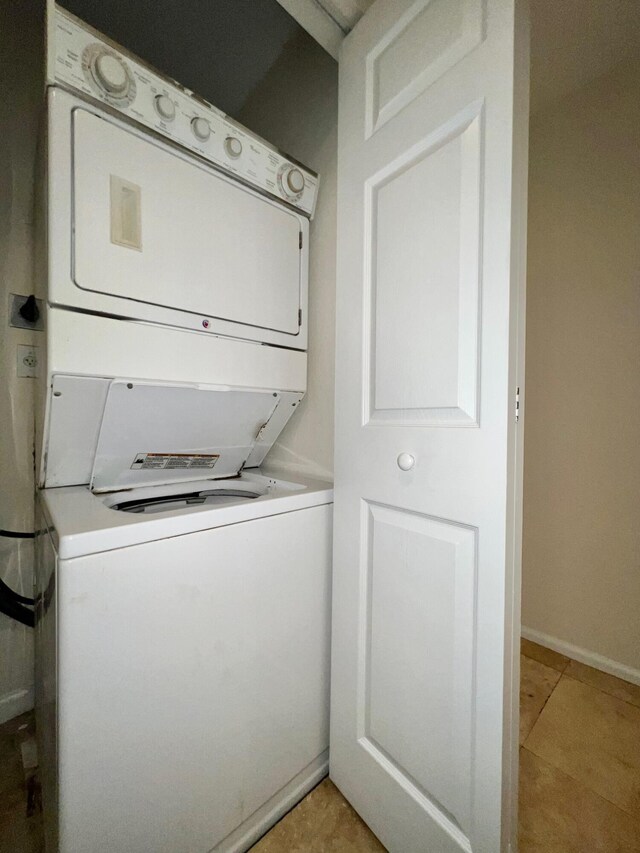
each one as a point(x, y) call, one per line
point(16, 534)
point(11, 602)
point(7, 592)
point(18, 612)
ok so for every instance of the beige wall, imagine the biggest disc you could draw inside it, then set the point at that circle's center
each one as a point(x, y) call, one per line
point(581, 573)
point(20, 89)
point(296, 108)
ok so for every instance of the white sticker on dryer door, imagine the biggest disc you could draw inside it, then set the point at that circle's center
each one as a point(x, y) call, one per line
point(147, 461)
point(126, 213)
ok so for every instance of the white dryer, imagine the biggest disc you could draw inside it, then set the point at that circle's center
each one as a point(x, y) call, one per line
point(144, 230)
point(182, 626)
point(174, 242)
point(159, 268)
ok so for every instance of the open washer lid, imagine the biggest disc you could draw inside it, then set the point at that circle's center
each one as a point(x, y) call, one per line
point(149, 434)
point(154, 434)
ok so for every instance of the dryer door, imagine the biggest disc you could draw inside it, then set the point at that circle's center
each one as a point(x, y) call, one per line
point(156, 228)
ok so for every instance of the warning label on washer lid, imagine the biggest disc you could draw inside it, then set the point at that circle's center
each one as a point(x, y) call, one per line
point(146, 461)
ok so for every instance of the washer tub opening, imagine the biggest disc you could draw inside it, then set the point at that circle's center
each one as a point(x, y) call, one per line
point(164, 503)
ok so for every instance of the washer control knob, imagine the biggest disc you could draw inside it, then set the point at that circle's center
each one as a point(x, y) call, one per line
point(201, 128)
point(405, 461)
point(233, 146)
point(111, 74)
point(295, 180)
point(165, 107)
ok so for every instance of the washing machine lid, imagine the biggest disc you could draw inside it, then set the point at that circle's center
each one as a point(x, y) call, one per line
point(116, 434)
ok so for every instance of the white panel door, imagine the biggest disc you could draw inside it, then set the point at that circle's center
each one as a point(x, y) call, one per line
point(432, 217)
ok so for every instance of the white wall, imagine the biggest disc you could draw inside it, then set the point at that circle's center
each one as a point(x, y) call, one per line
point(581, 550)
point(296, 108)
point(20, 88)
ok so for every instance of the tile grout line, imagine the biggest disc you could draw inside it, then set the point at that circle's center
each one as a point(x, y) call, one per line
point(563, 672)
point(600, 690)
point(560, 769)
point(582, 784)
point(541, 709)
point(579, 681)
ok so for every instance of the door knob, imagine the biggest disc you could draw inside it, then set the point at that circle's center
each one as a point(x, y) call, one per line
point(406, 461)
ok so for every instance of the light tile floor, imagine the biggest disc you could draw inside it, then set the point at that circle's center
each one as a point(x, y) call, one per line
point(20, 823)
point(579, 758)
point(579, 773)
point(579, 770)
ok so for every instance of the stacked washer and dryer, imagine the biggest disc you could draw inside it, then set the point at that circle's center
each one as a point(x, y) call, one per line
point(183, 593)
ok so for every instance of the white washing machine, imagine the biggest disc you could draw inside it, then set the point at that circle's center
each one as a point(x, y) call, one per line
point(184, 661)
point(182, 592)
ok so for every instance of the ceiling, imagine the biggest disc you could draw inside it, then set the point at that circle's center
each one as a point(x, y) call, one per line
point(576, 41)
point(346, 13)
point(220, 49)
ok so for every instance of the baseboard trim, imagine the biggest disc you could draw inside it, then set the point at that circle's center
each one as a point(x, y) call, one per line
point(612, 667)
point(14, 704)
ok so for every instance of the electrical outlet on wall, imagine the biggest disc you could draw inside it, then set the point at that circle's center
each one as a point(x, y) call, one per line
point(27, 364)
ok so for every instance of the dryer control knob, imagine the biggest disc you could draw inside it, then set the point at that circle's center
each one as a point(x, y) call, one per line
point(165, 107)
point(295, 180)
point(111, 74)
point(201, 129)
point(233, 146)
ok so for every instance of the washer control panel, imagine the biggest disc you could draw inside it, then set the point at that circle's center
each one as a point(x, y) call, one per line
point(86, 61)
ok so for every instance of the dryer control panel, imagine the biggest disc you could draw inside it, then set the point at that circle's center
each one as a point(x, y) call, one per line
point(86, 61)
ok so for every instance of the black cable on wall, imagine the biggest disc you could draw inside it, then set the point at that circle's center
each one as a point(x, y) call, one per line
point(12, 604)
point(16, 534)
